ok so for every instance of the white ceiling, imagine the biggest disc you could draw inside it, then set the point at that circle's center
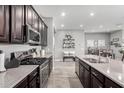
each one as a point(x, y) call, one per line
point(109, 16)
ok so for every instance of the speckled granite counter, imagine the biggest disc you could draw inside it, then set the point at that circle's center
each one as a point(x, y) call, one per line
point(13, 76)
point(114, 70)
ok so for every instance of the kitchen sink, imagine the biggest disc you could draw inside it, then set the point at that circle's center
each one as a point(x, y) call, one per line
point(91, 60)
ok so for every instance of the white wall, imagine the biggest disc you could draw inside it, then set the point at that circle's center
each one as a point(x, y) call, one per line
point(78, 35)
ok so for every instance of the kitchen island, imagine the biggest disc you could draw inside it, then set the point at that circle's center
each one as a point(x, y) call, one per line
point(108, 73)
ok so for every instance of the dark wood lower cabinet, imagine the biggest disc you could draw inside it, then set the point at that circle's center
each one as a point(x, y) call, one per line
point(22, 84)
point(110, 84)
point(77, 66)
point(50, 65)
point(84, 75)
point(92, 78)
point(31, 81)
point(95, 83)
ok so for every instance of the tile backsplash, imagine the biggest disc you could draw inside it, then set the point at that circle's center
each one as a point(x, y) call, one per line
point(9, 48)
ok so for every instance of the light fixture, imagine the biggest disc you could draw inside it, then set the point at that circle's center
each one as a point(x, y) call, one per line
point(119, 77)
point(92, 14)
point(81, 25)
point(101, 26)
point(63, 14)
point(108, 30)
point(93, 30)
point(119, 26)
point(62, 25)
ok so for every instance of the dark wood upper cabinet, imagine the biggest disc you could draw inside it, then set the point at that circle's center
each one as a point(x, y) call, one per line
point(17, 23)
point(13, 19)
point(32, 17)
point(4, 23)
point(29, 15)
point(44, 35)
point(35, 21)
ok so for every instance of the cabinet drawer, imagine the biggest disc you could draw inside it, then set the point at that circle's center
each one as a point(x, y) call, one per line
point(33, 74)
point(95, 83)
point(33, 83)
point(110, 84)
point(22, 84)
point(85, 65)
point(97, 74)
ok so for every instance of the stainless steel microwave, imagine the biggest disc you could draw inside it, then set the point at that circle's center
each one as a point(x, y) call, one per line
point(33, 36)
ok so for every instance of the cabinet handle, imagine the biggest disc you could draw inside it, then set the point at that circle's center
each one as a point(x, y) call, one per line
point(94, 74)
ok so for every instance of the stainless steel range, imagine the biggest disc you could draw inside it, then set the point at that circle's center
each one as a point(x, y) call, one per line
point(43, 68)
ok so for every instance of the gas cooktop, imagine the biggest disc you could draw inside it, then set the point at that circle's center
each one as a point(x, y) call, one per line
point(33, 61)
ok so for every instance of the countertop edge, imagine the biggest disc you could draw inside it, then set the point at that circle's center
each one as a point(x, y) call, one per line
point(119, 83)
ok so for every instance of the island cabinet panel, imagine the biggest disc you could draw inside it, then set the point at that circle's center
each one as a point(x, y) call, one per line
point(95, 83)
point(110, 84)
point(90, 77)
point(84, 74)
point(4, 23)
point(17, 23)
point(77, 66)
point(97, 79)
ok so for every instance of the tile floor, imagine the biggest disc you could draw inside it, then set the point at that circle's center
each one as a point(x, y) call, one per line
point(63, 76)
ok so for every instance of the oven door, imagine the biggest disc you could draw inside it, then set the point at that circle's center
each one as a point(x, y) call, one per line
point(44, 74)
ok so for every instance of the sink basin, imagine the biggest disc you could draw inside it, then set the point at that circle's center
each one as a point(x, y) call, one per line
point(91, 60)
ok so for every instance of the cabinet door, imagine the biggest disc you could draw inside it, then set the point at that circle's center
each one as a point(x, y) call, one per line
point(86, 78)
point(29, 15)
point(81, 74)
point(17, 23)
point(35, 21)
point(22, 84)
point(4, 23)
point(33, 83)
point(110, 84)
point(77, 66)
point(95, 83)
point(45, 36)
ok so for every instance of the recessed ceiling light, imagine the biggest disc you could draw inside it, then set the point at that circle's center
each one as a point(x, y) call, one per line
point(63, 14)
point(81, 25)
point(93, 30)
point(108, 30)
point(62, 25)
point(101, 26)
point(119, 26)
point(92, 14)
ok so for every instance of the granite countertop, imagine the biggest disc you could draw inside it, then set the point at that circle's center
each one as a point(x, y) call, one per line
point(113, 69)
point(13, 76)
